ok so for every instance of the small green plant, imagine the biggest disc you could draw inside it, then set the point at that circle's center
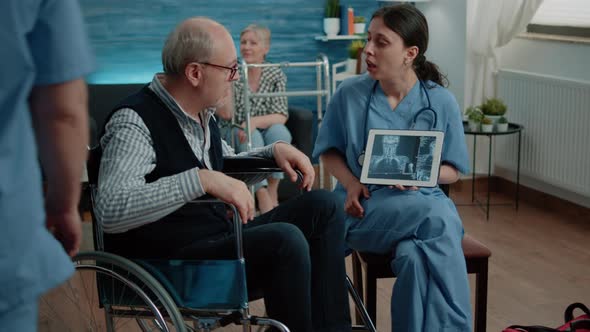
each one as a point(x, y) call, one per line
point(493, 106)
point(474, 114)
point(359, 19)
point(486, 121)
point(332, 9)
point(354, 47)
point(502, 120)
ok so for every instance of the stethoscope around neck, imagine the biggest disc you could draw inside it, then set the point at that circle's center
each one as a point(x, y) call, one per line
point(361, 157)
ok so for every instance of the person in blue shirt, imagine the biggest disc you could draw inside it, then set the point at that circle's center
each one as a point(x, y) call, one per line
point(43, 115)
point(420, 227)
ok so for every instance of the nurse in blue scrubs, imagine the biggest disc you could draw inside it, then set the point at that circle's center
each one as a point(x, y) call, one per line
point(419, 227)
point(43, 117)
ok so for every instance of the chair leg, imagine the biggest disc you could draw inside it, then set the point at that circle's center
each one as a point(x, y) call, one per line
point(481, 297)
point(357, 273)
point(371, 293)
point(361, 310)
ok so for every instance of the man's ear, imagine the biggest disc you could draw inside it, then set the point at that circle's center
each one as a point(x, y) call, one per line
point(194, 73)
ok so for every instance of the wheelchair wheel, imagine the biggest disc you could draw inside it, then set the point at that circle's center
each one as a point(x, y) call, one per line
point(109, 293)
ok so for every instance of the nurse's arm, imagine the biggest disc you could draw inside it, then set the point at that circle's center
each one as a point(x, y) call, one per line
point(335, 164)
point(60, 118)
point(448, 174)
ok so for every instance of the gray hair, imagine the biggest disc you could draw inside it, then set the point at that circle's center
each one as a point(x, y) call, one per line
point(187, 43)
point(261, 31)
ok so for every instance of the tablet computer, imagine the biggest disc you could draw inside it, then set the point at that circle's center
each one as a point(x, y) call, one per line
point(405, 157)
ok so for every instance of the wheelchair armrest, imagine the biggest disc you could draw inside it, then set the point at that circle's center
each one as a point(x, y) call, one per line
point(251, 170)
point(249, 165)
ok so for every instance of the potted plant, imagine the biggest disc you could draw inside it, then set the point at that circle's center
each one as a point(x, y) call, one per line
point(502, 124)
point(332, 17)
point(474, 117)
point(493, 108)
point(353, 50)
point(359, 25)
point(487, 125)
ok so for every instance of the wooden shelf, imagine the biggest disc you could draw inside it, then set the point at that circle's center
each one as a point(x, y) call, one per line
point(326, 38)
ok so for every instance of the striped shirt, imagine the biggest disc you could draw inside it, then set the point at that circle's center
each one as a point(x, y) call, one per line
point(124, 200)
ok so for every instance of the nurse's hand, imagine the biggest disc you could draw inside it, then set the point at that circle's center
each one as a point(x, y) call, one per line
point(403, 188)
point(352, 205)
point(67, 229)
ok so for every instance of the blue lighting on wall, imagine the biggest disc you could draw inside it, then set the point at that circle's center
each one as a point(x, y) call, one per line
point(127, 36)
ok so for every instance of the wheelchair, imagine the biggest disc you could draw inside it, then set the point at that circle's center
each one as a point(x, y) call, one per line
point(112, 293)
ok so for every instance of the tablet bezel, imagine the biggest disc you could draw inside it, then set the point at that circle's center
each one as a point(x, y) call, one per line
point(436, 158)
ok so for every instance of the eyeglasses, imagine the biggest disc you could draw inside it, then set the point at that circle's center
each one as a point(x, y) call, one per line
point(232, 70)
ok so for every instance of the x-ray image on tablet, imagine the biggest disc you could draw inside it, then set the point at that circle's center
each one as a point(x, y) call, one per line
point(405, 157)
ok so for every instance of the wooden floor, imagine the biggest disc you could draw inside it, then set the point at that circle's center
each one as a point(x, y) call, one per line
point(540, 262)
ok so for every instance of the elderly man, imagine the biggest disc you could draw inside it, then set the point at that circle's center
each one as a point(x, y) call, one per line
point(162, 148)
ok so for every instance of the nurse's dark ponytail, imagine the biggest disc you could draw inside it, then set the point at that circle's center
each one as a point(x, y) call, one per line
point(411, 25)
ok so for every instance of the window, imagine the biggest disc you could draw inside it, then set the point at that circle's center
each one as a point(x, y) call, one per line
point(562, 17)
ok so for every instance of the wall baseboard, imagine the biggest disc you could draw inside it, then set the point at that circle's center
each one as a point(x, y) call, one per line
point(529, 195)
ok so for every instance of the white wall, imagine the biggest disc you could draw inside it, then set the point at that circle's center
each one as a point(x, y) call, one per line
point(447, 28)
point(563, 59)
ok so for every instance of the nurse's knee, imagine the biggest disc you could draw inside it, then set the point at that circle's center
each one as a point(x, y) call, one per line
point(432, 228)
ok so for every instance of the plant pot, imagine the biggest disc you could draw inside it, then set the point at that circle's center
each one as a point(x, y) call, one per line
point(473, 126)
point(487, 128)
point(494, 118)
point(359, 28)
point(351, 66)
point(331, 26)
point(501, 127)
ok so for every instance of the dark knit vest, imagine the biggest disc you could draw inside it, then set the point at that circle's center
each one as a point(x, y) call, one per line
point(189, 223)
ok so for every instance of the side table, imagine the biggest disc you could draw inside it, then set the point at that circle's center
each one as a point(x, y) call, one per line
point(513, 128)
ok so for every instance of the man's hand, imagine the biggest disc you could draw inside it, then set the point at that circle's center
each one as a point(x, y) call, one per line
point(228, 190)
point(352, 205)
point(289, 158)
point(67, 229)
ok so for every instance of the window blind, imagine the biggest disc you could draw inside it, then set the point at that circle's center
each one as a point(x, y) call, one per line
point(571, 13)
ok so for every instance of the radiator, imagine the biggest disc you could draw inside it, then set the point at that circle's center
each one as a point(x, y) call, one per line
point(555, 113)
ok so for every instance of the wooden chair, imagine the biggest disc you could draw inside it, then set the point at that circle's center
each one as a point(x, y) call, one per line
point(377, 266)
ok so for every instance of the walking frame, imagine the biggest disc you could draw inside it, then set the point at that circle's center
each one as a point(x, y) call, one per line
point(322, 90)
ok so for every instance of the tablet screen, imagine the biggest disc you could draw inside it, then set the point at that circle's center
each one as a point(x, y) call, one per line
point(405, 157)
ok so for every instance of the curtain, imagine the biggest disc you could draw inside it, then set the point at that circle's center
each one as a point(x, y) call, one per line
point(490, 25)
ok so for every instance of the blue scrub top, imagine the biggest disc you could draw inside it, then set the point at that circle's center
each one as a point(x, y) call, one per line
point(346, 122)
point(43, 42)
